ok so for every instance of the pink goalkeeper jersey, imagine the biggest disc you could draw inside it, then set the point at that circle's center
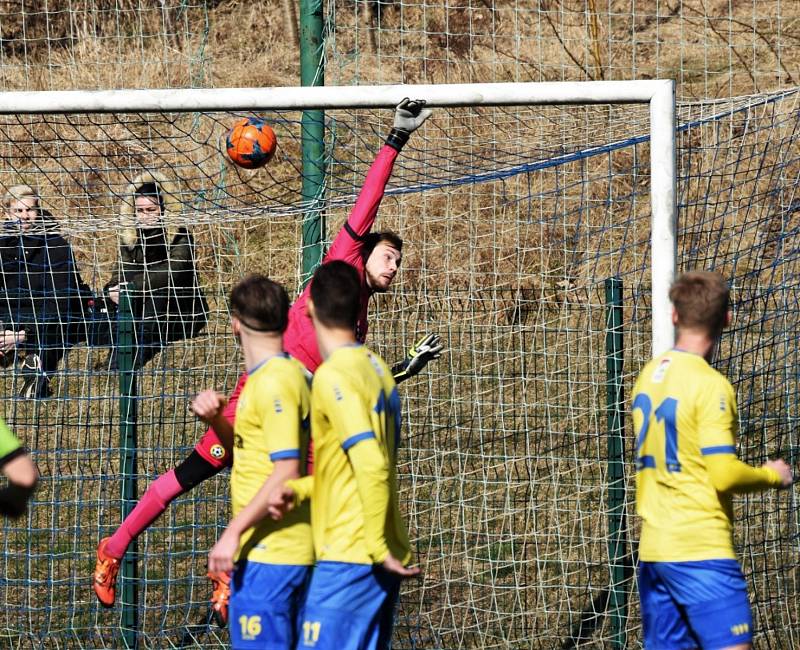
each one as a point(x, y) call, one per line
point(300, 340)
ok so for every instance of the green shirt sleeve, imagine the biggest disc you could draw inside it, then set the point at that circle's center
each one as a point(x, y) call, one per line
point(8, 443)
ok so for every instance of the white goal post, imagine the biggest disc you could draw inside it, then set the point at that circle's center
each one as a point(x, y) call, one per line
point(659, 94)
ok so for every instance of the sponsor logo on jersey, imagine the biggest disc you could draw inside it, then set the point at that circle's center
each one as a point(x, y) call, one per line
point(661, 370)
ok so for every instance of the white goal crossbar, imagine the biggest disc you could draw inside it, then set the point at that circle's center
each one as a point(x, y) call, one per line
point(659, 94)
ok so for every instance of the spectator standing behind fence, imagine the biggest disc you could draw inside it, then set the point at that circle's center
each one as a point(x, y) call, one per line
point(43, 295)
point(158, 269)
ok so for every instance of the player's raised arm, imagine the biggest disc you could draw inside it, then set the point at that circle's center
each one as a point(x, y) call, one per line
point(349, 243)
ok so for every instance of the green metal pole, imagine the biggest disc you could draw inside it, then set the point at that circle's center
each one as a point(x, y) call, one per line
point(619, 561)
point(312, 73)
point(128, 443)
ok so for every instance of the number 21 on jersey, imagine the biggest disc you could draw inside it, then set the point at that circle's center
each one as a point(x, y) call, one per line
point(665, 413)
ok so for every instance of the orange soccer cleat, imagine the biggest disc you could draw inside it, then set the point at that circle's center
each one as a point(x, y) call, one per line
point(104, 580)
point(221, 583)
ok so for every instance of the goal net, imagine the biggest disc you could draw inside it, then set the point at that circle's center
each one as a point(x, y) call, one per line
point(514, 217)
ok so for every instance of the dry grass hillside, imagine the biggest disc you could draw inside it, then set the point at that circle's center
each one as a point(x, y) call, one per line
point(713, 48)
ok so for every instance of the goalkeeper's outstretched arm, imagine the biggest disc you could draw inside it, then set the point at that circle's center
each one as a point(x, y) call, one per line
point(349, 243)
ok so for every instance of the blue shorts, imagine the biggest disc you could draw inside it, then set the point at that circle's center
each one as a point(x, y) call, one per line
point(691, 604)
point(266, 600)
point(349, 607)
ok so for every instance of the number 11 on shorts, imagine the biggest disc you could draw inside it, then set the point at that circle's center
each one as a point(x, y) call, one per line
point(311, 633)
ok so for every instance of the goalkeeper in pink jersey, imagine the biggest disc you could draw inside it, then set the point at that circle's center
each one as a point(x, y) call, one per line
point(376, 257)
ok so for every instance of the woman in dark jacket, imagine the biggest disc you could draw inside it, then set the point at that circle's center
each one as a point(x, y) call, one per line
point(43, 303)
point(157, 268)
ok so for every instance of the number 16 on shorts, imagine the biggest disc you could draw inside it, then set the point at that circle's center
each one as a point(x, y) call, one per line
point(250, 627)
point(311, 633)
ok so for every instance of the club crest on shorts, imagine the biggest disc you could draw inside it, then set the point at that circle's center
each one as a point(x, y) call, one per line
point(217, 451)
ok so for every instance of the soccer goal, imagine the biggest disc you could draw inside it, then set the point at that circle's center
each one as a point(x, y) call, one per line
point(541, 235)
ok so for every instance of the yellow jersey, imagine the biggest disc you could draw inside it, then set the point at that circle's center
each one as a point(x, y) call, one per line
point(684, 412)
point(271, 424)
point(355, 425)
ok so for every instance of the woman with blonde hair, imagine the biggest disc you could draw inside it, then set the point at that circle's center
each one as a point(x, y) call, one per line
point(157, 268)
point(44, 297)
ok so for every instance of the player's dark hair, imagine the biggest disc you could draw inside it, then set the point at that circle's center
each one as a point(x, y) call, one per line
point(387, 236)
point(260, 304)
point(701, 299)
point(152, 191)
point(336, 292)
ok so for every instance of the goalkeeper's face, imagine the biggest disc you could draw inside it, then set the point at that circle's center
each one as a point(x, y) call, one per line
point(381, 267)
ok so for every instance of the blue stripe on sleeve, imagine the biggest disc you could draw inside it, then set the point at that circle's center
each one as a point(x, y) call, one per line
point(284, 454)
point(352, 440)
point(720, 449)
point(645, 462)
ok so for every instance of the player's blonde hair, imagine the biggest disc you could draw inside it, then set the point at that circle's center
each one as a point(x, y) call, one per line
point(701, 299)
point(19, 192)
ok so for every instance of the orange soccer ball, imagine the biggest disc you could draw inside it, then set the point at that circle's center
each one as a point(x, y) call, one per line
point(251, 143)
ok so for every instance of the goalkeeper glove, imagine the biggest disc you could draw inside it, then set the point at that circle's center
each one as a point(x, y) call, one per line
point(408, 117)
point(427, 348)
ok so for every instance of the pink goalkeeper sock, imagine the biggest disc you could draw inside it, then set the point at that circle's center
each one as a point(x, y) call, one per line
point(153, 502)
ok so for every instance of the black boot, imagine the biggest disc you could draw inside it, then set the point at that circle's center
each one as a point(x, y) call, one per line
point(35, 384)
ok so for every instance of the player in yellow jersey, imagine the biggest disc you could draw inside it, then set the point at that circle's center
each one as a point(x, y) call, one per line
point(271, 561)
point(692, 591)
point(360, 539)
